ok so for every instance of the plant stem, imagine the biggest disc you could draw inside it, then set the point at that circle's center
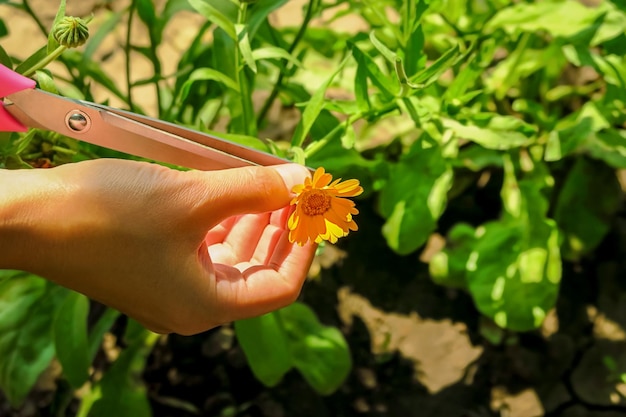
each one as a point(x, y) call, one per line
point(129, 87)
point(32, 14)
point(314, 147)
point(247, 110)
point(48, 59)
point(313, 4)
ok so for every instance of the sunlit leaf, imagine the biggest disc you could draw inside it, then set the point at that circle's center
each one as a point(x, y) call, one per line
point(260, 11)
point(513, 272)
point(319, 352)
point(265, 345)
point(313, 109)
point(548, 16)
point(272, 52)
point(514, 269)
point(414, 197)
point(448, 267)
point(207, 9)
point(243, 41)
point(498, 133)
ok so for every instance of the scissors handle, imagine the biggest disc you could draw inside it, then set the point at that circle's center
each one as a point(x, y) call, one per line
point(12, 82)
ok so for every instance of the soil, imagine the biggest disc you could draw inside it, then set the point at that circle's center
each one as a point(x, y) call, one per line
point(418, 349)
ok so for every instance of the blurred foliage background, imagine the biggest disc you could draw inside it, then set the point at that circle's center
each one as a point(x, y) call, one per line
point(490, 137)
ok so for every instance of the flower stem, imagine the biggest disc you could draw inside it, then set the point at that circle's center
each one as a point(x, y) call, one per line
point(48, 59)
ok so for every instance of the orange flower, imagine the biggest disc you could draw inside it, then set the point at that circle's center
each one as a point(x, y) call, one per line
point(322, 211)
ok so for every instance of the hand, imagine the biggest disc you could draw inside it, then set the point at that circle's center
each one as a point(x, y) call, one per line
point(178, 251)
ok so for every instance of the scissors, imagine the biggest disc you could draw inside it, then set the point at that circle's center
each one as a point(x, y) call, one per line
point(23, 106)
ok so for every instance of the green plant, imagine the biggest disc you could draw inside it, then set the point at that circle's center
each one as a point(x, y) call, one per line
point(466, 92)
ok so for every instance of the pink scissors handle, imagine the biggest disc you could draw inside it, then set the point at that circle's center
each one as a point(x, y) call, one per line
point(11, 82)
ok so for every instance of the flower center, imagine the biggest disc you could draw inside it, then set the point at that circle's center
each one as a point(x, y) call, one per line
point(315, 202)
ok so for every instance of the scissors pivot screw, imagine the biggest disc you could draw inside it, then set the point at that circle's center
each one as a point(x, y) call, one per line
point(78, 121)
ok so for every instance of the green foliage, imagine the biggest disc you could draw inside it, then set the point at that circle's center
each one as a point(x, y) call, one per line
point(290, 338)
point(70, 338)
point(27, 306)
point(421, 104)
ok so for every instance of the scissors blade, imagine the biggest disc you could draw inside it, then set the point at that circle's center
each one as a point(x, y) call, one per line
point(131, 133)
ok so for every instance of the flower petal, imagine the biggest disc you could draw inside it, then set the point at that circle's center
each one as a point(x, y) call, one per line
point(349, 188)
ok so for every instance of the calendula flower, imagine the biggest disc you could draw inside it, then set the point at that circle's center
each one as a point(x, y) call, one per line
point(322, 210)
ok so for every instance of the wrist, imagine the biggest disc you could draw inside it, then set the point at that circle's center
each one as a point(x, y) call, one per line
point(27, 198)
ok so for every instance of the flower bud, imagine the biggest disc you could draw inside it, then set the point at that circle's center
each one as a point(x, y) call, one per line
point(71, 32)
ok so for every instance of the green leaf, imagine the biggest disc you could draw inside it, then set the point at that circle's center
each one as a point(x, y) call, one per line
point(345, 162)
point(249, 141)
point(587, 203)
point(97, 332)
point(52, 43)
point(120, 391)
point(206, 74)
point(382, 48)
point(147, 12)
point(172, 7)
point(448, 266)
point(273, 52)
point(92, 69)
point(148, 15)
point(385, 84)
point(31, 60)
point(476, 158)
point(4, 31)
point(361, 90)
point(546, 16)
point(5, 59)
point(498, 132)
point(212, 13)
point(243, 42)
point(414, 56)
point(27, 307)
point(431, 74)
point(313, 109)
point(609, 146)
point(415, 196)
point(264, 342)
point(46, 82)
point(467, 75)
point(570, 135)
point(349, 137)
point(513, 272)
point(520, 64)
point(514, 269)
point(320, 353)
point(259, 12)
point(70, 338)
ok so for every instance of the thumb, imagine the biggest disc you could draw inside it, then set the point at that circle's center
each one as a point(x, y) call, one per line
point(251, 189)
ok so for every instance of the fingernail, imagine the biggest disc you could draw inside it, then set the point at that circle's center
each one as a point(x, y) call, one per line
point(293, 174)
